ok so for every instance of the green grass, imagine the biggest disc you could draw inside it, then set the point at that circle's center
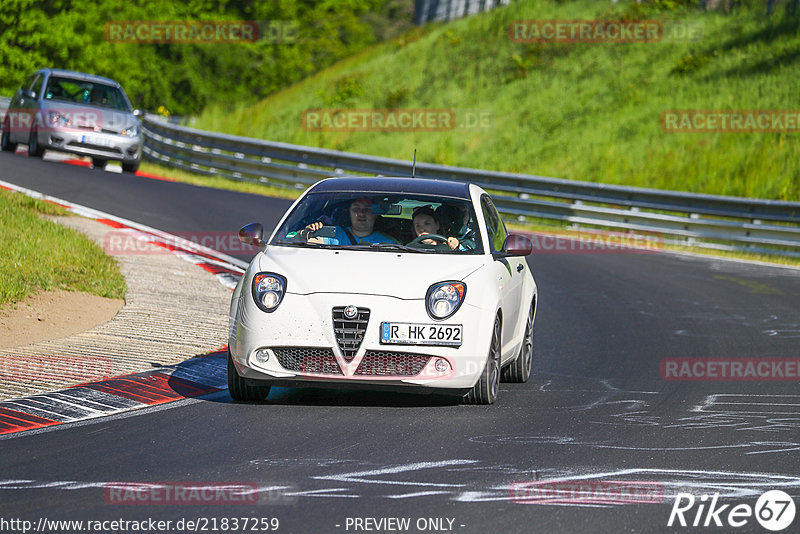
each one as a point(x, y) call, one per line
point(42, 255)
point(577, 111)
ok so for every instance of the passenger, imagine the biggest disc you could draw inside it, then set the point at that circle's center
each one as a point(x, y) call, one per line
point(361, 229)
point(457, 219)
point(425, 221)
point(98, 97)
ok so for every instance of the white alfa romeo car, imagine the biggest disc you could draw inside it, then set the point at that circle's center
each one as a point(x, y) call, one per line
point(400, 283)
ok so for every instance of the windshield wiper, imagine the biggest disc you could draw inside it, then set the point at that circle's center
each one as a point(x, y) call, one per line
point(395, 246)
point(297, 243)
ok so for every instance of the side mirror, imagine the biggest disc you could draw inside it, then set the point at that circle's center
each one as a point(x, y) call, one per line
point(252, 234)
point(29, 94)
point(517, 245)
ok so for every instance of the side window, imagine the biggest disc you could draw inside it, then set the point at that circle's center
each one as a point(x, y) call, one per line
point(37, 85)
point(28, 82)
point(495, 228)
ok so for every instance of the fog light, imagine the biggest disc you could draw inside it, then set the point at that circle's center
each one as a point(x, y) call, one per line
point(262, 355)
point(270, 299)
point(442, 365)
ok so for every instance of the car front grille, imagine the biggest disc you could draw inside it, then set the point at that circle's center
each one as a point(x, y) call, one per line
point(109, 149)
point(349, 332)
point(308, 360)
point(383, 363)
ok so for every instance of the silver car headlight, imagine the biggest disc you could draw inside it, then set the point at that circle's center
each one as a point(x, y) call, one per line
point(131, 131)
point(268, 290)
point(444, 299)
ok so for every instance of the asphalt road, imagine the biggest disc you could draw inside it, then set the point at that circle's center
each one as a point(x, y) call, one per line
point(597, 409)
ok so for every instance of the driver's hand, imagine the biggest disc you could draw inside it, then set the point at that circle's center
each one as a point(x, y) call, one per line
point(452, 243)
point(313, 227)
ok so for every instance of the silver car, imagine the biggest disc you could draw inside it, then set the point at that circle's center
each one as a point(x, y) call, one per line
point(77, 113)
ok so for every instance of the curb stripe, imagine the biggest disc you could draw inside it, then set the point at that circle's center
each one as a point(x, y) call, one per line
point(12, 421)
point(195, 377)
point(150, 389)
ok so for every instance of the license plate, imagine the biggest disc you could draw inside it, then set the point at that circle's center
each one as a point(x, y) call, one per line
point(422, 334)
point(96, 140)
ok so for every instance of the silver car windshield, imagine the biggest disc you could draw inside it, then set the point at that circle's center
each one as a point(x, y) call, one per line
point(84, 92)
point(379, 221)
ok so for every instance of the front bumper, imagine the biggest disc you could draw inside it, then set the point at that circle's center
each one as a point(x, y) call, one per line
point(302, 345)
point(93, 144)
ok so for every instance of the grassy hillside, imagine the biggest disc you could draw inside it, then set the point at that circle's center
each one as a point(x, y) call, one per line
point(570, 110)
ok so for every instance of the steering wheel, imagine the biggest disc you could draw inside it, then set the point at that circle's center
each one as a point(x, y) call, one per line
point(418, 241)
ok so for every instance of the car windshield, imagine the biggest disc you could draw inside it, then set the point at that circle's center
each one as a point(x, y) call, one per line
point(384, 222)
point(85, 92)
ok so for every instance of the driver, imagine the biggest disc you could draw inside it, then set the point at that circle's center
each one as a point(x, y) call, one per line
point(426, 222)
point(361, 229)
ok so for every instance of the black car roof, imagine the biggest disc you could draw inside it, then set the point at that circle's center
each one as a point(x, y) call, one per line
point(421, 186)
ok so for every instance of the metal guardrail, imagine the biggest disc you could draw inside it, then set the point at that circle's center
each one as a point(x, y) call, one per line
point(445, 10)
point(755, 225)
point(732, 223)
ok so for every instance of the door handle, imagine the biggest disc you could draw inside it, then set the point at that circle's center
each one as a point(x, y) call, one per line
point(520, 267)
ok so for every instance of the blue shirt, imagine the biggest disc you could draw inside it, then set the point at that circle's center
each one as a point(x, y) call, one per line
point(343, 239)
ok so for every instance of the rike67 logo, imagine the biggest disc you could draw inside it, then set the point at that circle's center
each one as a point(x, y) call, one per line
point(774, 511)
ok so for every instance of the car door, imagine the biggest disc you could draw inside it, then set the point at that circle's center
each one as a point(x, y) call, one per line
point(506, 270)
point(24, 109)
point(15, 113)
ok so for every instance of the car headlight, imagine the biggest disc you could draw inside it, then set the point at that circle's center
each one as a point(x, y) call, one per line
point(268, 290)
point(131, 131)
point(444, 299)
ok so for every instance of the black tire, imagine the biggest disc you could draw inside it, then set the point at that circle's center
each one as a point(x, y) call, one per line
point(99, 163)
point(132, 166)
point(34, 148)
point(239, 389)
point(5, 140)
point(485, 389)
point(520, 369)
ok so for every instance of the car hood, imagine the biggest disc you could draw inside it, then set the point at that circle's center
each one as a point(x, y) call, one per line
point(86, 116)
point(401, 275)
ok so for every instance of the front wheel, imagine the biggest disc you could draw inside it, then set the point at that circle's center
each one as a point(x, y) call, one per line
point(131, 166)
point(5, 139)
point(520, 369)
point(239, 389)
point(34, 148)
point(485, 390)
